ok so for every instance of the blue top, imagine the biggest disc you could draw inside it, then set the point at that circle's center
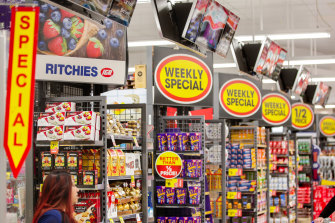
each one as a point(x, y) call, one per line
point(52, 216)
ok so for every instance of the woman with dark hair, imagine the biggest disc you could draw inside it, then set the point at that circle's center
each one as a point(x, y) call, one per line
point(59, 194)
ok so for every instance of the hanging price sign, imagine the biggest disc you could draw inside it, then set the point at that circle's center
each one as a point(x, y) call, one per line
point(234, 172)
point(234, 195)
point(302, 116)
point(54, 147)
point(168, 165)
point(234, 213)
point(327, 126)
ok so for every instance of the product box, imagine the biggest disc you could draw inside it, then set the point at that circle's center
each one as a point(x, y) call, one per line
point(50, 133)
point(130, 164)
point(170, 195)
point(51, 119)
point(172, 141)
point(98, 122)
point(138, 168)
point(60, 107)
point(121, 162)
point(85, 132)
point(162, 142)
point(60, 161)
point(73, 160)
point(86, 210)
point(183, 141)
point(160, 194)
point(89, 177)
point(140, 76)
point(74, 176)
point(46, 161)
point(80, 118)
point(113, 163)
point(195, 141)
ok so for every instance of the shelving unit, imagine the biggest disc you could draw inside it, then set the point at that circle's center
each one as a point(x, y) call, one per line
point(215, 167)
point(93, 103)
point(304, 149)
point(184, 124)
point(258, 144)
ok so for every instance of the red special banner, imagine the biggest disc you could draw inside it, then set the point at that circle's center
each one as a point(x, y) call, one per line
point(168, 165)
point(20, 85)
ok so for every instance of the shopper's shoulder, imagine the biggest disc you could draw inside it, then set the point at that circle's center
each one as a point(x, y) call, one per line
point(53, 216)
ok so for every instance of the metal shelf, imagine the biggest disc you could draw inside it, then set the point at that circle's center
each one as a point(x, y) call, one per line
point(262, 212)
point(189, 153)
point(127, 217)
point(183, 178)
point(178, 206)
point(71, 143)
point(124, 177)
point(123, 137)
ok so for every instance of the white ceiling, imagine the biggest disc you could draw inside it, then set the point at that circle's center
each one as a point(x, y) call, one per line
point(259, 17)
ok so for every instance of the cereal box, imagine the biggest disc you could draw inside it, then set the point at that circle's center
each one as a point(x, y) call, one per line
point(46, 161)
point(50, 133)
point(84, 132)
point(51, 119)
point(172, 141)
point(60, 161)
point(195, 141)
point(162, 141)
point(183, 141)
point(121, 162)
point(160, 194)
point(181, 195)
point(170, 195)
point(80, 118)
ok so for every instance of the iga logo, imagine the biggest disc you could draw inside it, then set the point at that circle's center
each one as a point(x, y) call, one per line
point(107, 72)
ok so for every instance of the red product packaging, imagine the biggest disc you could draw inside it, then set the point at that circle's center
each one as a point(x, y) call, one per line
point(60, 107)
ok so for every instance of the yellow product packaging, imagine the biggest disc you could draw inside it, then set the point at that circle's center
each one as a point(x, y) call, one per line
point(121, 162)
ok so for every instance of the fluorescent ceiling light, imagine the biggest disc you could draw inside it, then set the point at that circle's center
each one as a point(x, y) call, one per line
point(150, 43)
point(131, 69)
point(309, 62)
point(143, 1)
point(293, 36)
point(327, 106)
point(224, 65)
point(243, 38)
point(268, 81)
point(324, 79)
point(318, 106)
point(330, 106)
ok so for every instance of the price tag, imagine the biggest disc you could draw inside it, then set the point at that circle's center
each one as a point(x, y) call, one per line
point(111, 220)
point(174, 183)
point(138, 219)
point(121, 219)
point(274, 209)
point(54, 147)
point(41, 187)
point(113, 140)
point(132, 181)
point(8, 175)
point(135, 141)
point(234, 172)
point(273, 193)
point(234, 213)
point(234, 195)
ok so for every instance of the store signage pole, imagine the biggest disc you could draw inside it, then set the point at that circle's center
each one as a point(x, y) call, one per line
point(3, 67)
point(20, 86)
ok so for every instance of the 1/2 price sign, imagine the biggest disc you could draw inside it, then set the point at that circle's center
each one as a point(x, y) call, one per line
point(302, 116)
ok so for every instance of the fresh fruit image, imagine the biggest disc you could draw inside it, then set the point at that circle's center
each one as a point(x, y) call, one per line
point(65, 33)
point(114, 42)
point(58, 46)
point(42, 17)
point(65, 14)
point(56, 16)
point(119, 33)
point(94, 48)
point(42, 45)
point(77, 28)
point(72, 44)
point(108, 23)
point(44, 8)
point(102, 34)
point(67, 23)
point(50, 29)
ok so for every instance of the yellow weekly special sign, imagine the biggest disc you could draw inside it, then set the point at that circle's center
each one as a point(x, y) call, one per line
point(276, 109)
point(240, 97)
point(302, 116)
point(327, 126)
point(168, 165)
point(183, 79)
point(20, 85)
